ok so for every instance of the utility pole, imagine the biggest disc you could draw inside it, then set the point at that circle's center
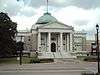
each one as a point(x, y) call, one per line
point(97, 28)
point(21, 49)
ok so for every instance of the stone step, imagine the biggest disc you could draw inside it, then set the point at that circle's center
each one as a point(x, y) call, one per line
point(56, 55)
point(63, 60)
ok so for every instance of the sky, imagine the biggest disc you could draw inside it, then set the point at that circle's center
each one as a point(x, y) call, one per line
point(83, 15)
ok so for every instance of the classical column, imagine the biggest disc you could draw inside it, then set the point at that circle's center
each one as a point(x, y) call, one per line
point(61, 42)
point(68, 42)
point(65, 42)
point(39, 41)
point(49, 42)
point(71, 41)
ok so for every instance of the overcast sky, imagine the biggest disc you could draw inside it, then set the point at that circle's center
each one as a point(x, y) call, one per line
point(81, 14)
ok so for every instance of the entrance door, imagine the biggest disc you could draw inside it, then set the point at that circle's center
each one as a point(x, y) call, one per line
point(53, 47)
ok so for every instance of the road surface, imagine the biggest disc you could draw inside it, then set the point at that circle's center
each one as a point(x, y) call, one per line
point(68, 68)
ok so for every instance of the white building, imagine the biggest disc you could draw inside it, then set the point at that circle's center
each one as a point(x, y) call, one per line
point(79, 41)
point(53, 39)
point(79, 44)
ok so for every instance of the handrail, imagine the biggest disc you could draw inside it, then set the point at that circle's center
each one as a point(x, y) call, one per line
point(53, 54)
point(60, 53)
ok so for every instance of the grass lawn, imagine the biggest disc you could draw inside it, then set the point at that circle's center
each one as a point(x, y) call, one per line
point(88, 58)
point(13, 60)
point(81, 57)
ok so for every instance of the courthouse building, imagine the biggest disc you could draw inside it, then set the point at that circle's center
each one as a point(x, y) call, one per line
point(53, 39)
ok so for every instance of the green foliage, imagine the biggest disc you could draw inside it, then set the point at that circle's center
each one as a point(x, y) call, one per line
point(88, 58)
point(35, 60)
point(47, 60)
point(7, 35)
point(91, 58)
point(13, 60)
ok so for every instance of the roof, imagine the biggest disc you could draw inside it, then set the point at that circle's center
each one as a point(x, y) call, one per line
point(48, 21)
point(55, 25)
point(46, 18)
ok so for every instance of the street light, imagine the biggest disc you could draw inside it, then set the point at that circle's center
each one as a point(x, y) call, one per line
point(97, 28)
point(20, 48)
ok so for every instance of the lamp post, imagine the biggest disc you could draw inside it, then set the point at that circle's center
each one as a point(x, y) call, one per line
point(21, 54)
point(20, 47)
point(97, 28)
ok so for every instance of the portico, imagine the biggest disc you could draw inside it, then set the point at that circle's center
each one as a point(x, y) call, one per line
point(55, 39)
point(54, 42)
point(60, 39)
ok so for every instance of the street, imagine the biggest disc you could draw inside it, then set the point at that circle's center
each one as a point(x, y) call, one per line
point(40, 73)
point(68, 68)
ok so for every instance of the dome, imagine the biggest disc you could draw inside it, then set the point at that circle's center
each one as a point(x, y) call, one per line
point(46, 18)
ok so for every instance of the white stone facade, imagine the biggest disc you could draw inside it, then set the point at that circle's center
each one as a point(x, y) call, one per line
point(52, 39)
point(79, 41)
point(55, 40)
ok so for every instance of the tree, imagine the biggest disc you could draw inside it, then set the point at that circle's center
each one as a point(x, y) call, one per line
point(7, 35)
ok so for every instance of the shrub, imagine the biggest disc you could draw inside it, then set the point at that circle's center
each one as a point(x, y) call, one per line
point(35, 60)
point(90, 58)
point(46, 60)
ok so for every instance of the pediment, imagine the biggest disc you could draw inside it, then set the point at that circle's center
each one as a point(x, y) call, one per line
point(55, 25)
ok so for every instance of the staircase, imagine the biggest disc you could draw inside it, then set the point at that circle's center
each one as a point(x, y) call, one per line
point(58, 55)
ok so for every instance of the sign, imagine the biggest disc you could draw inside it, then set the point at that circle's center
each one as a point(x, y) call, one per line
point(18, 58)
